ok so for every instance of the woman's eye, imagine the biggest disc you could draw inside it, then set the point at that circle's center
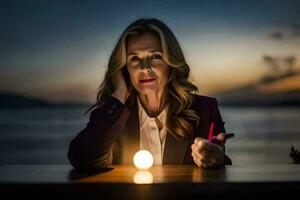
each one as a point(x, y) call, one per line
point(156, 57)
point(135, 58)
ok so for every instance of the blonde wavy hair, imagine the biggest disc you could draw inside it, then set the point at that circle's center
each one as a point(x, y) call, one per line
point(181, 120)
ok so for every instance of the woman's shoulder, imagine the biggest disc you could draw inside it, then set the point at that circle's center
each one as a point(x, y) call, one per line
point(201, 99)
point(204, 104)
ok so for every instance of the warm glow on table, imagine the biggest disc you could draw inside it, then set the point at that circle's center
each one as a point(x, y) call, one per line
point(159, 182)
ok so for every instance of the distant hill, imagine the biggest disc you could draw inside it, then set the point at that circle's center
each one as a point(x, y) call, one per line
point(282, 91)
point(279, 91)
point(11, 100)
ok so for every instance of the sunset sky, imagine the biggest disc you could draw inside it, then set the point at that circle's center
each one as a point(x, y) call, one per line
point(59, 50)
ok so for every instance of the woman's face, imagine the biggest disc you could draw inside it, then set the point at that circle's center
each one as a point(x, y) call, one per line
point(147, 69)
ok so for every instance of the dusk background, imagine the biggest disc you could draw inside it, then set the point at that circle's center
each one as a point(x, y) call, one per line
point(59, 50)
point(245, 53)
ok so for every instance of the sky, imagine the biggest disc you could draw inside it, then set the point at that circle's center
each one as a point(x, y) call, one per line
point(59, 50)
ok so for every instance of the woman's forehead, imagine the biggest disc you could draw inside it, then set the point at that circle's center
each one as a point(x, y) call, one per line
point(145, 42)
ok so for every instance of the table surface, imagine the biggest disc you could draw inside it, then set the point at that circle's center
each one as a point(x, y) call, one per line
point(160, 182)
point(157, 174)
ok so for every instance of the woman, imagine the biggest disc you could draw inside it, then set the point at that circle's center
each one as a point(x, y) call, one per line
point(147, 102)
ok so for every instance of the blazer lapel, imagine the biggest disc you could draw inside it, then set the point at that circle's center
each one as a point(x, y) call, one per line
point(175, 150)
point(131, 136)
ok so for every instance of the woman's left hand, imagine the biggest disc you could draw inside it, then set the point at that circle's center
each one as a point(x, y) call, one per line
point(207, 154)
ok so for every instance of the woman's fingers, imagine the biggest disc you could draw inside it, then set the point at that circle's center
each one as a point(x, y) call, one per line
point(205, 163)
point(118, 80)
point(197, 153)
point(121, 89)
point(205, 144)
point(206, 154)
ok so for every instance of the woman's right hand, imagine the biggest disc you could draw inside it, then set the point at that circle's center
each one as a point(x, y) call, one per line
point(207, 154)
point(121, 90)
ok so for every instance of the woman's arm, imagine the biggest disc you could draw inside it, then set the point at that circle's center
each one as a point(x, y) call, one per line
point(219, 126)
point(92, 148)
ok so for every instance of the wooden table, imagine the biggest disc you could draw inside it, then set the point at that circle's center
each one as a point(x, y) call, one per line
point(160, 182)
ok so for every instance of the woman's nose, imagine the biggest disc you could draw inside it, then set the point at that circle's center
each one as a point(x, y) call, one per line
point(145, 63)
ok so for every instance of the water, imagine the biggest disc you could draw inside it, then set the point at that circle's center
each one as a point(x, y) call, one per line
point(42, 136)
point(262, 135)
point(38, 136)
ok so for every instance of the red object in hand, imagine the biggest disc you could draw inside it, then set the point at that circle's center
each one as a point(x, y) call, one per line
point(211, 131)
point(215, 140)
point(211, 138)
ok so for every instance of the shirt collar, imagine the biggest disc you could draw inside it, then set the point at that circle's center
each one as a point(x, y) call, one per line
point(143, 116)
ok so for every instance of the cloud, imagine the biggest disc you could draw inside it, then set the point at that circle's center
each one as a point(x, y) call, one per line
point(295, 30)
point(272, 62)
point(277, 35)
point(292, 31)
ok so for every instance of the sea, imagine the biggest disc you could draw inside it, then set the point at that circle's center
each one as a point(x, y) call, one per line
point(42, 135)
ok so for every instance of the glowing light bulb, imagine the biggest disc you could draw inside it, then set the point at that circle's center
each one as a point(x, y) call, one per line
point(143, 159)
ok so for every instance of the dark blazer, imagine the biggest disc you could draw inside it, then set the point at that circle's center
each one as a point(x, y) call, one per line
point(112, 135)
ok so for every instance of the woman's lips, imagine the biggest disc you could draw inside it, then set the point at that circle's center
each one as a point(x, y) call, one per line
point(148, 80)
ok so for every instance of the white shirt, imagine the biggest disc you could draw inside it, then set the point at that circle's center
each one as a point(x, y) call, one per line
point(151, 138)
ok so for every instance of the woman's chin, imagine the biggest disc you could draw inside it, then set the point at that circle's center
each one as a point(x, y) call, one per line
point(146, 89)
